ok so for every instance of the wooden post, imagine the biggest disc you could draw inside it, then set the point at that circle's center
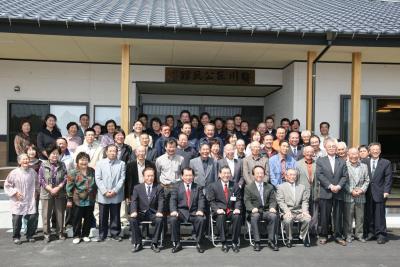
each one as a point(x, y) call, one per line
point(311, 55)
point(125, 80)
point(355, 99)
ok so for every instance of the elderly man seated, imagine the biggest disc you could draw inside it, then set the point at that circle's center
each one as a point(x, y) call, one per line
point(292, 199)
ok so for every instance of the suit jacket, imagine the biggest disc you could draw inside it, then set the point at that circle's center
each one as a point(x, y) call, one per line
point(273, 132)
point(206, 178)
point(126, 153)
point(381, 181)
point(303, 178)
point(299, 154)
point(151, 154)
point(252, 198)
point(238, 173)
point(249, 163)
point(326, 177)
point(178, 201)
point(358, 178)
point(289, 203)
point(217, 199)
point(132, 176)
point(141, 203)
point(110, 177)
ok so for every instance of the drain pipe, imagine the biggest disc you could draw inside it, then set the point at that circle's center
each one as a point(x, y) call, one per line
point(330, 38)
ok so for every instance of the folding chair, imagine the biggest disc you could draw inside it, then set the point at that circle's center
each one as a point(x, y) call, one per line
point(187, 241)
point(146, 236)
point(249, 236)
point(213, 237)
point(296, 224)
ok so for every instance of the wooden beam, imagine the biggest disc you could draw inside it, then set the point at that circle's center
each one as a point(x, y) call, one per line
point(355, 99)
point(125, 81)
point(311, 55)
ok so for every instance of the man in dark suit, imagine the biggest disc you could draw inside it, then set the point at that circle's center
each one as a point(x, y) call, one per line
point(147, 204)
point(260, 202)
point(235, 165)
point(331, 173)
point(380, 173)
point(134, 171)
point(151, 153)
point(205, 168)
point(225, 201)
point(187, 204)
point(185, 150)
point(295, 149)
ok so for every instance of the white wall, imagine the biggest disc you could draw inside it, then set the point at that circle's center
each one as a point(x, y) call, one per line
point(280, 103)
point(333, 80)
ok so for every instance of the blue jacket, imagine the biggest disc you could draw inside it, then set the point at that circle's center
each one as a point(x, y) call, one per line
point(275, 168)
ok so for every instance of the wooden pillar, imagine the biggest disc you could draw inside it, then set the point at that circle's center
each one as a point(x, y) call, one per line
point(355, 99)
point(125, 80)
point(311, 55)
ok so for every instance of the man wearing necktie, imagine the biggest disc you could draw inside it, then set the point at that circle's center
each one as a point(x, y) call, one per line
point(187, 204)
point(332, 175)
point(147, 204)
point(260, 202)
point(293, 202)
point(380, 172)
point(225, 201)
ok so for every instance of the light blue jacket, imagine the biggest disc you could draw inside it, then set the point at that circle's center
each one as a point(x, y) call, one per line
point(275, 168)
point(110, 175)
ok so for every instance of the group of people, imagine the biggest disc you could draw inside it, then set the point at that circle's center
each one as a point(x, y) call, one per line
point(195, 171)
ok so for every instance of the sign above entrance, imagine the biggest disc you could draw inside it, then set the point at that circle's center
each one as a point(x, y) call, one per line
point(210, 76)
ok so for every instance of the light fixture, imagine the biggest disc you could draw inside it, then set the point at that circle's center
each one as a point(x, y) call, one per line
point(383, 110)
point(17, 88)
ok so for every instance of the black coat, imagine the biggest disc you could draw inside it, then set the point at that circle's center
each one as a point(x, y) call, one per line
point(141, 204)
point(178, 200)
point(326, 177)
point(132, 176)
point(381, 181)
point(217, 198)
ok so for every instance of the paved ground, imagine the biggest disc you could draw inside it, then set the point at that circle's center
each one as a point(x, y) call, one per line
point(112, 253)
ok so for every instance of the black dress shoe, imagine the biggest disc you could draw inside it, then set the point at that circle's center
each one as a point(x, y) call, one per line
point(381, 240)
point(155, 248)
point(257, 247)
point(177, 247)
point(235, 248)
point(117, 238)
point(224, 248)
point(289, 243)
point(273, 246)
point(137, 247)
point(199, 248)
point(306, 242)
point(370, 237)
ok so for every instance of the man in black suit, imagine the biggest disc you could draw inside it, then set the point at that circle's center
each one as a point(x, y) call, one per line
point(134, 171)
point(235, 165)
point(260, 202)
point(380, 173)
point(147, 204)
point(225, 201)
point(331, 173)
point(187, 204)
point(295, 150)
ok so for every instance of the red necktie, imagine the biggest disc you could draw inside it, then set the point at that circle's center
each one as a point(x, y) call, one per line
point(226, 193)
point(188, 196)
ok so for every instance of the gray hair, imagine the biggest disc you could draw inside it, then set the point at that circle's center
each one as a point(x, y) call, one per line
point(306, 132)
point(20, 156)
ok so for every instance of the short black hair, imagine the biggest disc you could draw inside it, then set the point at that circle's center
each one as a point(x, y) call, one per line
point(170, 141)
point(293, 121)
point(269, 118)
point(110, 121)
point(84, 115)
point(184, 111)
point(285, 119)
point(237, 115)
point(119, 131)
point(91, 129)
point(326, 123)
point(155, 119)
point(255, 167)
point(50, 148)
point(141, 115)
point(187, 169)
point(72, 123)
point(81, 155)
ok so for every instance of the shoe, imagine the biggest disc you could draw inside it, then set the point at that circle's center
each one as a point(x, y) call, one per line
point(340, 241)
point(117, 238)
point(76, 240)
point(306, 242)
point(199, 248)
point(137, 248)
point(257, 247)
point(273, 246)
point(289, 243)
point(177, 247)
point(46, 239)
point(349, 240)
point(235, 248)
point(86, 239)
point(61, 237)
point(370, 237)
point(98, 239)
point(224, 248)
point(30, 240)
point(381, 240)
point(323, 241)
point(17, 241)
point(155, 248)
point(361, 239)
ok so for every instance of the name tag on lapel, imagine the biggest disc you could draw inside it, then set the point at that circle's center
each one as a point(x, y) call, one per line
point(233, 198)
